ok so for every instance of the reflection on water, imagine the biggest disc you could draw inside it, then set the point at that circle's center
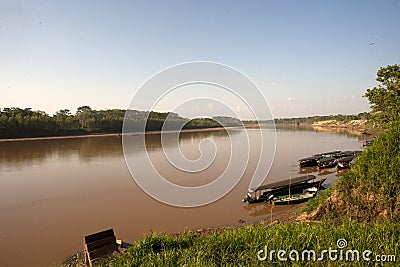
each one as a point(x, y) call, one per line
point(304, 128)
point(258, 209)
point(62, 189)
point(18, 154)
point(308, 170)
point(38, 152)
point(326, 171)
point(263, 210)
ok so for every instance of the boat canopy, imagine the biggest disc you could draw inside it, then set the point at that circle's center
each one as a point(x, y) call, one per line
point(325, 159)
point(284, 183)
point(328, 153)
point(310, 158)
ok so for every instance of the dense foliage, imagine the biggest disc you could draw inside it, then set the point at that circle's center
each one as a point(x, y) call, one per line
point(385, 98)
point(18, 122)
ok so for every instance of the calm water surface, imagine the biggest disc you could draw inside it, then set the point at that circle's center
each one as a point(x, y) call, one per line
point(53, 192)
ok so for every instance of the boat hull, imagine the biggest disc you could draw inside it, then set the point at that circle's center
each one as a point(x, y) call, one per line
point(293, 200)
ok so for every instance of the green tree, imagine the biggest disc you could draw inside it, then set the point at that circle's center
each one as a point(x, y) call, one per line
point(84, 113)
point(385, 98)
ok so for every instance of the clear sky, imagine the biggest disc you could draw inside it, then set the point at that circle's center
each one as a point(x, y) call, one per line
point(307, 57)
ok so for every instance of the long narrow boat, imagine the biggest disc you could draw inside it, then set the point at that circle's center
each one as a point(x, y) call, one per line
point(309, 162)
point(295, 185)
point(313, 160)
point(306, 195)
point(337, 154)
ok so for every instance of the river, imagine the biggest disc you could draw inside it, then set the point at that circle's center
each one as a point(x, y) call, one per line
point(55, 191)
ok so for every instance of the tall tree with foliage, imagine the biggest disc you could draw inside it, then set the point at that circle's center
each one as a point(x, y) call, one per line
point(385, 98)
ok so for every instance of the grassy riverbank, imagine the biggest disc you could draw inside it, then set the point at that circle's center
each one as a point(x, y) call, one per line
point(240, 247)
point(370, 190)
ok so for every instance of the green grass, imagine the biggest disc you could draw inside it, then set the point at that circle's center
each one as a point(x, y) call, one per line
point(239, 247)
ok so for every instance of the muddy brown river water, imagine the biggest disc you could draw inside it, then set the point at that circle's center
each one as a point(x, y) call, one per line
point(55, 191)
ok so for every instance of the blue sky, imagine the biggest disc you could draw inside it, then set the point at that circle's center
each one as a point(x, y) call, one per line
point(307, 57)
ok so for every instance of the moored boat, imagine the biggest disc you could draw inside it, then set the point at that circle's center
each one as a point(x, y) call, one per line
point(309, 161)
point(306, 195)
point(296, 185)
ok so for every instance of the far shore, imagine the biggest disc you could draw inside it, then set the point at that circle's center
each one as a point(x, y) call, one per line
point(120, 134)
point(356, 130)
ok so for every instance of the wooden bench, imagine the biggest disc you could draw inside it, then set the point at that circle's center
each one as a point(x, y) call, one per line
point(99, 245)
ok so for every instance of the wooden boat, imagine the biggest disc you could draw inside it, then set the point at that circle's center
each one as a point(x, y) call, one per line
point(327, 162)
point(295, 185)
point(309, 162)
point(306, 195)
point(313, 160)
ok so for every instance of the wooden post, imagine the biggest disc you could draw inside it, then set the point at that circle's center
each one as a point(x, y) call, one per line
point(290, 183)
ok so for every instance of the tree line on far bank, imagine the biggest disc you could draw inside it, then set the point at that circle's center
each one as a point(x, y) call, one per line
point(24, 122)
point(312, 119)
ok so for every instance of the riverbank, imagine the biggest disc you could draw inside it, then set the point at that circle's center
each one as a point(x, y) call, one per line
point(358, 127)
point(361, 127)
point(258, 245)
